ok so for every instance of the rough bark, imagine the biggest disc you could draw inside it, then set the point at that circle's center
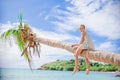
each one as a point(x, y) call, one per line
point(101, 56)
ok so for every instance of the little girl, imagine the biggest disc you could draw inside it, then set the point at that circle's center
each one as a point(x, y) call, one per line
point(85, 43)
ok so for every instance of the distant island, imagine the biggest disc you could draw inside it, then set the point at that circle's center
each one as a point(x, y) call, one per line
point(68, 65)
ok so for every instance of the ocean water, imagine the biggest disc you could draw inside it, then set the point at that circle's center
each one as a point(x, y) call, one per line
point(26, 74)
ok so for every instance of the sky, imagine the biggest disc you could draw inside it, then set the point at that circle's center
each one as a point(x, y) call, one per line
point(60, 20)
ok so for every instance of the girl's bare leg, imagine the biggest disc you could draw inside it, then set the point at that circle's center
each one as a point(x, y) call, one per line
point(78, 52)
point(87, 66)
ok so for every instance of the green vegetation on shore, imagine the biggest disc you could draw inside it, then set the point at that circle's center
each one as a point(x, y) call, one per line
point(68, 65)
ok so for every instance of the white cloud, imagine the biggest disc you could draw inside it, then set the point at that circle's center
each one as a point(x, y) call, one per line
point(98, 17)
point(54, 35)
point(10, 56)
point(8, 25)
point(107, 46)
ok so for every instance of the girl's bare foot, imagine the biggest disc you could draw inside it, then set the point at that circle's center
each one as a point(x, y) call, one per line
point(87, 71)
point(75, 71)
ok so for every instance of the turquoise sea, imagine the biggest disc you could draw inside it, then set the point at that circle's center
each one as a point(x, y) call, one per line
point(26, 74)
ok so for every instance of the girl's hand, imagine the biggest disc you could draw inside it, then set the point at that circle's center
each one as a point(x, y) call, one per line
point(72, 45)
point(75, 47)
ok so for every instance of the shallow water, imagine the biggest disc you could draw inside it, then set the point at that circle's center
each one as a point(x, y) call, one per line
point(26, 74)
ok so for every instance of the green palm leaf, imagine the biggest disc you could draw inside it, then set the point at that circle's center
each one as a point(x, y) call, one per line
point(7, 34)
point(20, 19)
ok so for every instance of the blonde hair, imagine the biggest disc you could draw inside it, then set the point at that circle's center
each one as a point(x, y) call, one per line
point(83, 25)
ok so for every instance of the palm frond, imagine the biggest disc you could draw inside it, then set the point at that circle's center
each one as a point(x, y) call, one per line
point(20, 19)
point(15, 32)
point(7, 34)
point(20, 43)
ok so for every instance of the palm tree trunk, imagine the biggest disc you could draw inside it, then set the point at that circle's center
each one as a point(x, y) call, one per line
point(101, 56)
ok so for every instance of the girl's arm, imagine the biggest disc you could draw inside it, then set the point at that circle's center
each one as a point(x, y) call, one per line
point(82, 38)
point(81, 41)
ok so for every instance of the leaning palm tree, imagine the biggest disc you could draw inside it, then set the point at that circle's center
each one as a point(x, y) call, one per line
point(26, 40)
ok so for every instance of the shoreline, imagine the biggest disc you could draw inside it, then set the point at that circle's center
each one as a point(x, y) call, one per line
point(82, 71)
point(58, 70)
point(71, 70)
point(117, 72)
